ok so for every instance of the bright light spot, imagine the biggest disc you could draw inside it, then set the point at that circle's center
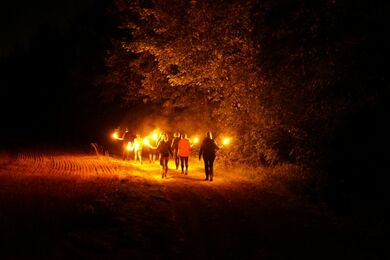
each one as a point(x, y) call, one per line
point(146, 141)
point(129, 146)
point(136, 145)
point(196, 140)
point(226, 141)
point(115, 135)
point(154, 136)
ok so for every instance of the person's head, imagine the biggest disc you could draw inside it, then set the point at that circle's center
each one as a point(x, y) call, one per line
point(175, 134)
point(184, 136)
point(209, 135)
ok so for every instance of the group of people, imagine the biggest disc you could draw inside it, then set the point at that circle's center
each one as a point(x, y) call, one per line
point(129, 144)
point(179, 148)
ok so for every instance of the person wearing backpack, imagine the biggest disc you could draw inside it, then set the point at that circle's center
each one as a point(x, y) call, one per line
point(175, 147)
point(164, 148)
point(208, 150)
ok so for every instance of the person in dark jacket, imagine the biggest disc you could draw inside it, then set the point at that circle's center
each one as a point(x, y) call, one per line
point(175, 148)
point(125, 138)
point(164, 148)
point(208, 149)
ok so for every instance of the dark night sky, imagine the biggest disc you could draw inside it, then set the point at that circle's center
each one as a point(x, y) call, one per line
point(20, 21)
point(50, 56)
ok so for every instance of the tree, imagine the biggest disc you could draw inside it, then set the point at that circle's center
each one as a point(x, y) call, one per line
point(277, 74)
point(198, 58)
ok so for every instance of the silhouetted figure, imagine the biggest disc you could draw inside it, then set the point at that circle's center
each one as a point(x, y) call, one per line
point(175, 147)
point(125, 138)
point(118, 141)
point(184, 148)
point(152, 150)
point(164, 148)
point(208, 149)
point(137, 147)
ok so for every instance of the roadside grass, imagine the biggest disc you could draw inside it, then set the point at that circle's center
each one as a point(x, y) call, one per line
point(289, 179)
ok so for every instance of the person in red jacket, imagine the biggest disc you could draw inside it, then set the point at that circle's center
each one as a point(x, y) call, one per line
point(184, 147)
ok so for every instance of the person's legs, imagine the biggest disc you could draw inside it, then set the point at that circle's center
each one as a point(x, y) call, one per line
point(186, 163)
point(162, 165)
point(176, 159)
point(182, 164)
point(125, 152)
point(166, 166)
point(206, 168)
point(211, 171)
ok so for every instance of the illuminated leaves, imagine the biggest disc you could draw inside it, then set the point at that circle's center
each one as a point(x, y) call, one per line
point(263, 70)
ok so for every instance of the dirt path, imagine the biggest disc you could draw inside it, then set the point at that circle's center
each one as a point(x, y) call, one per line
point(56, 205)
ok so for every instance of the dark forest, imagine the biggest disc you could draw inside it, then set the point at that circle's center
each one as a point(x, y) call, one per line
point(296, 84)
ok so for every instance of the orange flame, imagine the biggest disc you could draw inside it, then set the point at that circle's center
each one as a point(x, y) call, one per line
point(115, 135)
point(196, 140)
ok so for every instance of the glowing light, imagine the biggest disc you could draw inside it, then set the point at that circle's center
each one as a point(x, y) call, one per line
point(129, 147)
point(155, 134)
point(136, 145)
point(226, 141)
point(115, 135)
point(196, 140)
point(146, 141)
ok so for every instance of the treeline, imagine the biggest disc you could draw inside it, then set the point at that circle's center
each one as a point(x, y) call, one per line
point(295, 81)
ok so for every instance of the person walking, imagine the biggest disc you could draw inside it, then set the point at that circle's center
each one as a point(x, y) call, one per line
point(118, 141)
point(164, 149)
point(184, 148)
point(152, 150)
point(208, 150)
point(137, 146)
point(175, 147)
point(125, 138)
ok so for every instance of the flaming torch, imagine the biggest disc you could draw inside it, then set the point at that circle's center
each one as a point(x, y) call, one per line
point(226, 141)
point(196, 140)
point(146, 141)
point(115, 136)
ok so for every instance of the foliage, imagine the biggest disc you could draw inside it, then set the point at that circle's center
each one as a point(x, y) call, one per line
point(278, 75)
point(198, 59)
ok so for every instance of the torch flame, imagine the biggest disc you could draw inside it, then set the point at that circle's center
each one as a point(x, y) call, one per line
point(146, 141)
point(196, 140)
point(226, 141)
point(115, 135)
point(154, 136)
